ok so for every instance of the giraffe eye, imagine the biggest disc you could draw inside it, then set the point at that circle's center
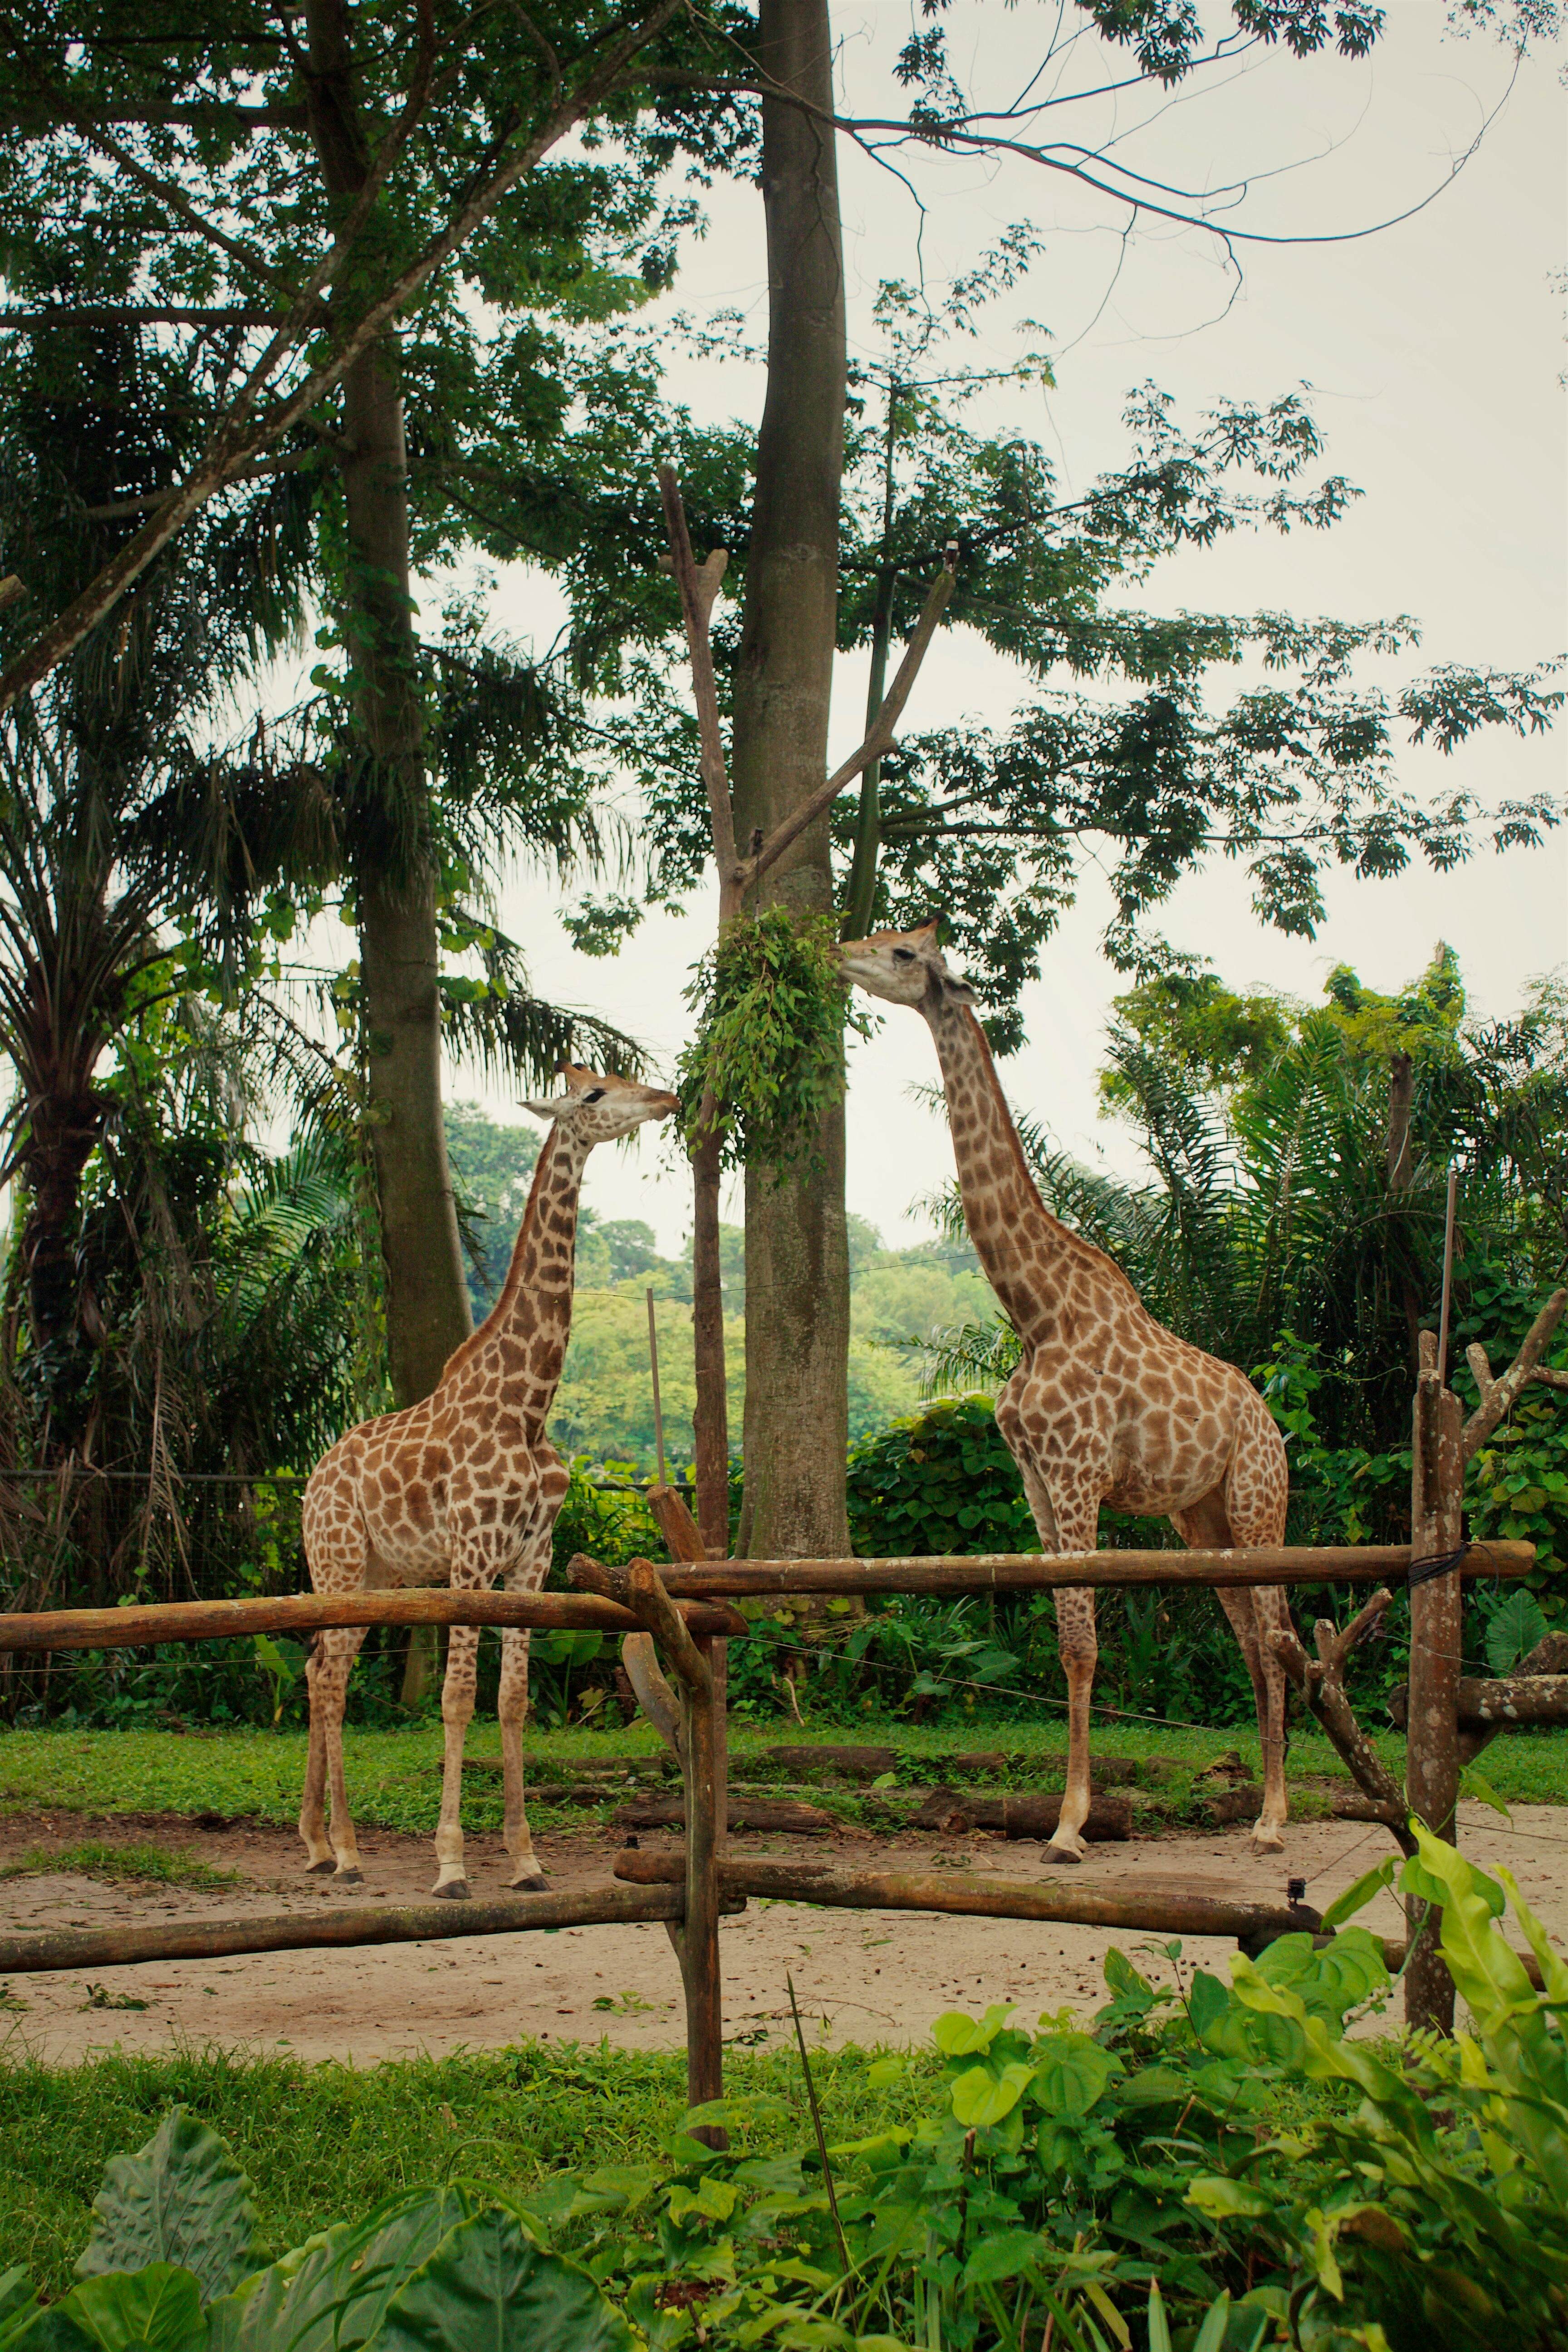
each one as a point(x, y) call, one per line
point(903, 955)
point(595, 1094)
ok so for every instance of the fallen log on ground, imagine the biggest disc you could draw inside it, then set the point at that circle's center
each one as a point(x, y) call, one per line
point(1064, 1900)
point(334, 1925)
point(1021, 1813)
point(745, 1813)
point(854, 1763)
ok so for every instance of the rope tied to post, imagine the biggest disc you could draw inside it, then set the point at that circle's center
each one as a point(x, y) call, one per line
point(1422, 1571)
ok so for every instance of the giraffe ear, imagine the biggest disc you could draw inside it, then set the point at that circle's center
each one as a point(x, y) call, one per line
point(549, 1110)
point(956, 990)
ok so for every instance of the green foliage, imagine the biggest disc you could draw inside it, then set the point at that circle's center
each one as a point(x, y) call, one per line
point(1223, 2165)
point(771, 1008)
point(940, 1481)
point(174, 2265)
point(182, 2199)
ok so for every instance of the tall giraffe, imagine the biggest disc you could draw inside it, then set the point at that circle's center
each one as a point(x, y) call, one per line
point(1105, 1405)
point(463, 1488)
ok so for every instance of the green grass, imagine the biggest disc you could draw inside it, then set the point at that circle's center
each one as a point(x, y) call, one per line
point(91, 1859)
point(352, 2136)
point(395, 1782)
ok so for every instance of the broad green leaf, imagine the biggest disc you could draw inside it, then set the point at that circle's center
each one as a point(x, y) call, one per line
point(711, 2200)
point(1003, 2256)
point(487, 2288)
point(182, 2199)
point(158, 2308)
point(958, 2036)
point(1484, 1966)
point(1554, 1971)
point(1208, 2001)
point(628, 2182)
point(1070, 2072)
point(1155, 2086)
point(981, 2099)
point(1121, 1975)
point(330, 2293)
point(1514, 1628)
point(1474, 1785)
point(1360, 1892)
point(1159, 2326)
point(1219, 2198)
point(1330, 1979)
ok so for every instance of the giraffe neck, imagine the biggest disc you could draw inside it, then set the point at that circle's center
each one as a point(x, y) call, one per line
point(524, 1334)
point(1032, 1260)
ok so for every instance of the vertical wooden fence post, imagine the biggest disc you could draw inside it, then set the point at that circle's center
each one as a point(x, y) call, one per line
point(700, 1934)
point(695, 1940)
point(1432, 1754)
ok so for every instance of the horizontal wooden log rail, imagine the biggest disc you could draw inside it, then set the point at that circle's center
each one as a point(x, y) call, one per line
point(1487, 1703)
point(339, 1925)
point(1044, 1572)
point(312, 1613)
point(1062, 1901)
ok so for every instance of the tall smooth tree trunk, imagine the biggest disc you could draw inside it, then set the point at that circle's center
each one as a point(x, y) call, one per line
point(797, 1263)
point(428, 1312)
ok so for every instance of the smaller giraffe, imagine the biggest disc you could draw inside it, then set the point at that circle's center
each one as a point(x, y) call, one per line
point(1105, 1405)
point(461, 1489)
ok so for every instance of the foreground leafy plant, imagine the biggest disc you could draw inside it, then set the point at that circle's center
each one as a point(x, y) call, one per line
point(1206, 2167)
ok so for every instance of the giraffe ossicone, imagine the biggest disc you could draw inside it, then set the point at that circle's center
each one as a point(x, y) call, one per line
point(462, 1489)
point(1105, 1405)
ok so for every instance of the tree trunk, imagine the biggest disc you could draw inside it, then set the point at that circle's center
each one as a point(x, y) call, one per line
point(797, 1266)
point(427, 1297)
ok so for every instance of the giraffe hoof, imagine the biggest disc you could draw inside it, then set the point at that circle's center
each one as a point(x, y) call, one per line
point(1268, 1842)
point(321, 1869)
point(1055, 1857)
point(354, 1877)
point(456, 1890)
point(535, 1884)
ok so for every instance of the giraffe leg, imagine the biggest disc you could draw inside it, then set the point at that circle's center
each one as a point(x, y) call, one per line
point(456, 1714)
point(1253, 1613)
point(327, 1674)
point(1078, 1647)
point(1067, 1522)
point(526, 1576)
point(512, 1709)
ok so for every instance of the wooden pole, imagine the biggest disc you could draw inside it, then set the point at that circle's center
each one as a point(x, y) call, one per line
point(1432, 1752)
point(657, 1407)
point(696, 1938)
point(309, 1612)
point(336, 1925)
point(1042, 1572)
point(1448, 1273)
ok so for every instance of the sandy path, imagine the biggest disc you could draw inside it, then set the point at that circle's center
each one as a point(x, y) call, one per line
point(859, 1976)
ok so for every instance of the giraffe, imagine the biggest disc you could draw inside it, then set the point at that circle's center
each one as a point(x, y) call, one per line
point(463, 1488)
point(1105, 1404)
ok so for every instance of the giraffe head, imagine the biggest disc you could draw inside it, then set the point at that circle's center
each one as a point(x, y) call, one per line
point(597, 1109)
point(906, 967)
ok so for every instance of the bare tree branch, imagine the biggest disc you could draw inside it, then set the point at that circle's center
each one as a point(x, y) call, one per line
point(698, 586)
point(879, 740)
point(1498, 1396)
point(1321, 1682)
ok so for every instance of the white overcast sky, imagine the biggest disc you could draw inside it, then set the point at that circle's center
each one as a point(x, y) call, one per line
point(1435, 350)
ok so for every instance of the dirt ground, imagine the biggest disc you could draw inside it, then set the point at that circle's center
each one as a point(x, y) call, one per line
point(866, 1977)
